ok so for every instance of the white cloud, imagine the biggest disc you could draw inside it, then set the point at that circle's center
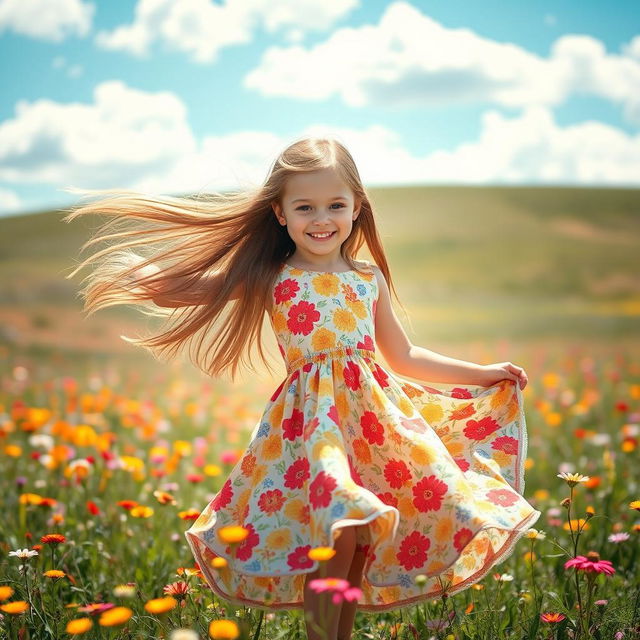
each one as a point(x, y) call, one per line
point(202, 27)
point(410, 59)
point(9, 201)
point(52, 20)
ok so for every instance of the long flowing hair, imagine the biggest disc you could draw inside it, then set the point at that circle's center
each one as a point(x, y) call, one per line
point(186, 238)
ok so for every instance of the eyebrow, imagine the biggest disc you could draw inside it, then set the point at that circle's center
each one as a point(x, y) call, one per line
point(303, 199)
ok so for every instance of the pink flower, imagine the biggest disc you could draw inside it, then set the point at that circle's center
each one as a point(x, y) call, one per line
point(552, 617)
point(342, 590)
point(591, 564)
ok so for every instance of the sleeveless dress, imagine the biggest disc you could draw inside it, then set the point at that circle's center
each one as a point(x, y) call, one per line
point(436, 473)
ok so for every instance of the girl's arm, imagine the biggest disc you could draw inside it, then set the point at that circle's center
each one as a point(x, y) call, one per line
point(419, 363)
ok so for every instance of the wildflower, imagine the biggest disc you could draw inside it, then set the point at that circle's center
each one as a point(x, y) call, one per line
point(534, 534)
point(223, 630)
point(184, 634)
point(141, 511)
point(115, 616)
point(127, 504)
point(124, 590)
point(164, 498)
point(24, 554)
point(189, 514)
point(5, 592)
point(160, 605)
point(552, 617)
point(635, 505)
point(79, 625)
point(566, 503)
point(505, 577)
point(590, 512)
point(54, 573)
point(618, 537)
point(591, 564)
point(420, 580)
point(178, 590)
point(218, 562)
point(477, 587)
point(576, 524)
point(15, 608)
point(53, 538)
point(601, 603)
point(93, 508)
point(232, 534)
point(96, 607)
point(321, 553)
point(572, 479)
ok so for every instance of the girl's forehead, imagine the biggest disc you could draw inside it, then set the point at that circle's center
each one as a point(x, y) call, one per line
point(321, 182)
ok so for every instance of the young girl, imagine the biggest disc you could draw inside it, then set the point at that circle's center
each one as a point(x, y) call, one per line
point(401, 479)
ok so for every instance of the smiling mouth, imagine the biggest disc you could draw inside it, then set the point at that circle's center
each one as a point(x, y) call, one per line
point(322, 236)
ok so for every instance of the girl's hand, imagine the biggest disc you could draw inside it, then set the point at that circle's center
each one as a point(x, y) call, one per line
point(492, 373)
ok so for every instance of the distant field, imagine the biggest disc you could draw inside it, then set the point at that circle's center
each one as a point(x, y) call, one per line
point(472, 265)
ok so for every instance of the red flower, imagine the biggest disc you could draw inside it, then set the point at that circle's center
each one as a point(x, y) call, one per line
point(380, 375)
point(480, 429)
point(351, 374)
point(413, 551)
point(355, 476)
point(310, 427)
point(396, 473)
point(462, 463)
point(320, 490)
point(286, 290)
point(428, 494)
point(92, 507)
point(502, 497)
point(302, 316)
point(245, 549)
point(506, 444)
point(460, 392)
point(462, 538)
point(333, 414)
point(292, 427)
point(591, 564)
point(552, 617)
point(366, 343)
point(372, 429)
point(388, 498)
point(223, 497)
point(297, 473)
point(299, 559)
point(271, 501)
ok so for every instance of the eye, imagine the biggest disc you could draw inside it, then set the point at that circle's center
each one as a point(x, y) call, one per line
point(338, 204)
point(301, 207)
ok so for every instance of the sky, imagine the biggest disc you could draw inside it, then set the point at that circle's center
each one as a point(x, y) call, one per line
point(189, 96)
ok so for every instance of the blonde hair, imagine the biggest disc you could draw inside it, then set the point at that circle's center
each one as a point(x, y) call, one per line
point(236, 233)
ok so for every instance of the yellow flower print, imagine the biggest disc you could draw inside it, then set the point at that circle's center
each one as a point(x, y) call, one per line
point(422, 455)
point(279, 539)
point(312, 382)
point(358, 307)
point(432, 413)
point(294, 510)
point(342, 405)
point(389, 556)
point(406, 507)
point(279, 321)
point(501, 397)
point(323, 339)
point(380, 398)
point(502, 458)
point(444, 530)
point(405, 405)
point(326, 284)
point(272, 447)
point(325, 387)
point(243, 500)
point(259, 474)
point(344, 320)
point(293, 353)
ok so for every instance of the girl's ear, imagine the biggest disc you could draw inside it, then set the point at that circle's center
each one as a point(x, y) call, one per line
point(277, 209)
point(356, 208)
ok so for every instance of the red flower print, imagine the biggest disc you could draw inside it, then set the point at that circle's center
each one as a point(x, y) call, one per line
point(310, 427)
point(502, 497)
point(351, 375)
point(247, 465)
point(506, 444)
point(271, 501)
point(245, 549)
point(292, 427)
point(462, 463)
point(298, 558)
point(333, 414)
point(320, 490)
point(276, 393)
point(462, 538)
point(396, 473)
point(380, 375)
point(355, 476)
point(480, 429)
point(286, 290)
point(372, 429)
point(305, 515)
point(428, 493)
point(223, 498)
point(296, 474)
point(388, 498)
point(460, 392)
point(366, 343)
point(302, 316)
point(413, 551)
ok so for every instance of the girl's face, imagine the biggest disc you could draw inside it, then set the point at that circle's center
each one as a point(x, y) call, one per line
point(313, 203)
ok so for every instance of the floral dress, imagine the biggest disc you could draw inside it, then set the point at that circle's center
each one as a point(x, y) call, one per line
point(436, 474)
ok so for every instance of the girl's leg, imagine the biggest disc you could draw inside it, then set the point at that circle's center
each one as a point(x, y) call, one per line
point(319, 610)
point(348, 611)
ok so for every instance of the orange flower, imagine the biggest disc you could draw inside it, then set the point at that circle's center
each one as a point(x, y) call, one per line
point(54, 573)
point(164, 498)
point(16, 607)
point(232, 534)
point(5, 592)
point(160, 605)
point(189, 514)
point(223, 630)
point(115, 616)
point(53, 538)
point(78, 626)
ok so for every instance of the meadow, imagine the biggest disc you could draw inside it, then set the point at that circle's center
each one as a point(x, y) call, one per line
point(108, 455)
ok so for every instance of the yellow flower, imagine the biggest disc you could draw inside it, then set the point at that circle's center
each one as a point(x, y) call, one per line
point(344, 320)
point(579, 523)
point(572, 479)
point(160, 605)
point(326, 284)
point(115, 616)
point(54, 573)
point(635, 505)
point(6, 592)
point(218, 562)
point(272, 447)
point(140, 511)
point(212, 470)
point(223, 630)
point(323, 339)
point(321, 553)
point(279, 539)
point(13, 450)
point(79, 625)
point(14, 608)
point(357, 306)
point(232, 534)
point(534, 534)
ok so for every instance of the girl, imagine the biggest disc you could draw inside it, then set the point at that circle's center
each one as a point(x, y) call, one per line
point(399, 478)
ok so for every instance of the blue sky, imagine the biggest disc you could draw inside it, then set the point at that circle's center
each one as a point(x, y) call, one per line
point(167, 96)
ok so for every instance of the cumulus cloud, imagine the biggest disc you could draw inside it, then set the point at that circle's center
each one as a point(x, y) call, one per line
point(202, 27)
point(138, 140)
point(409, 59)
point(51, 20)
point(10, 202)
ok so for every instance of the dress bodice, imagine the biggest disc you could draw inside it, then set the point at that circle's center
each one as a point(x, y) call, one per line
point(323, 311)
